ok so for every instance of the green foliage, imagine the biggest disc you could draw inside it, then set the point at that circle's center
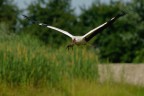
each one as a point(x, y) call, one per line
point(138, 7)
point(9, 13)
point(139, 56)
point(138, 15)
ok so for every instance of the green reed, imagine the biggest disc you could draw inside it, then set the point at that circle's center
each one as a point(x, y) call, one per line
point(24, 60)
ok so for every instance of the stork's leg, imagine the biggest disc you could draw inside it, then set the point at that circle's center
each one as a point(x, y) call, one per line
point(70, 46)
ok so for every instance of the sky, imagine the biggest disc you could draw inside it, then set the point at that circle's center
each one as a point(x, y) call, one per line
point(75, 4)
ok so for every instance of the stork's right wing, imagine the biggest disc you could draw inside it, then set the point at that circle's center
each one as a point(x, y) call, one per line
point(88, 36)
point(51, 27)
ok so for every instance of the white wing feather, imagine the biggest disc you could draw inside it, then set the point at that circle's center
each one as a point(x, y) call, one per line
point(60, 30)
point(93, 30)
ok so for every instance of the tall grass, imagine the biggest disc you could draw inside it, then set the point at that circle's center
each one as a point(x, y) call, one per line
point(24, 60)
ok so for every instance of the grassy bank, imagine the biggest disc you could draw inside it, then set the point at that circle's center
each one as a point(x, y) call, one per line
point(74, 88)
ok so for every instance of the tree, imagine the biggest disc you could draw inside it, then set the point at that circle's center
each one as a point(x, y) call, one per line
point(8, 13)
point(137, 6)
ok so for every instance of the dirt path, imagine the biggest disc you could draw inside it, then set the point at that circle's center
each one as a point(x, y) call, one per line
point(129, 73)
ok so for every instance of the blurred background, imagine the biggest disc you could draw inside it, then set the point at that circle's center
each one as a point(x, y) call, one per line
point(122, 42)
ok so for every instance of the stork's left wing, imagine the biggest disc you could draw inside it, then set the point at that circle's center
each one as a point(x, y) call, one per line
point(57, 29)
point(88, 36)
point(51, 27)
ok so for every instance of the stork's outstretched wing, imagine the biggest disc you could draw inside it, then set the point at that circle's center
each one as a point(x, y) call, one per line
point(88, 36)
point(57, 29)
point(51, 27)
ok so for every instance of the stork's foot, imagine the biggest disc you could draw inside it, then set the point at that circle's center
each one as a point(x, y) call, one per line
point(70, 46)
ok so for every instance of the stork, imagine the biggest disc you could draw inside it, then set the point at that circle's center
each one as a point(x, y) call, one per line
point(81, 40)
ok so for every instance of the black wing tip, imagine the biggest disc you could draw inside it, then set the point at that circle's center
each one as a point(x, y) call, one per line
point(25, 16)
point(28, 18)
point(35, 22)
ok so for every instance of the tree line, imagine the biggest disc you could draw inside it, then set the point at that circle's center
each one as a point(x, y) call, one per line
point(121, 42)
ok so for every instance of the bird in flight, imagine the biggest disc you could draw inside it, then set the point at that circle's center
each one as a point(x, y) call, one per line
point(81, 40)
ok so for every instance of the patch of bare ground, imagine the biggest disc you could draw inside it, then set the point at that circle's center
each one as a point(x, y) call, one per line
point(128, 73)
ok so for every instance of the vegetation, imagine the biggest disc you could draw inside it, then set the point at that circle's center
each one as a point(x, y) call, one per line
point(9, 13)
point(76, 88)
point(24, 62)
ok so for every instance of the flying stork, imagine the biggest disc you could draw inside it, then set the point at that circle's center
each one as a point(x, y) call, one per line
point(81, 40)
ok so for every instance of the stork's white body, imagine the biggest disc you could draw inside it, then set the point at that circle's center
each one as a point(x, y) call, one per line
point(79, 40)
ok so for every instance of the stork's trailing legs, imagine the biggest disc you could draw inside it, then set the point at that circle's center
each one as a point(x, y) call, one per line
point(70, 46)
